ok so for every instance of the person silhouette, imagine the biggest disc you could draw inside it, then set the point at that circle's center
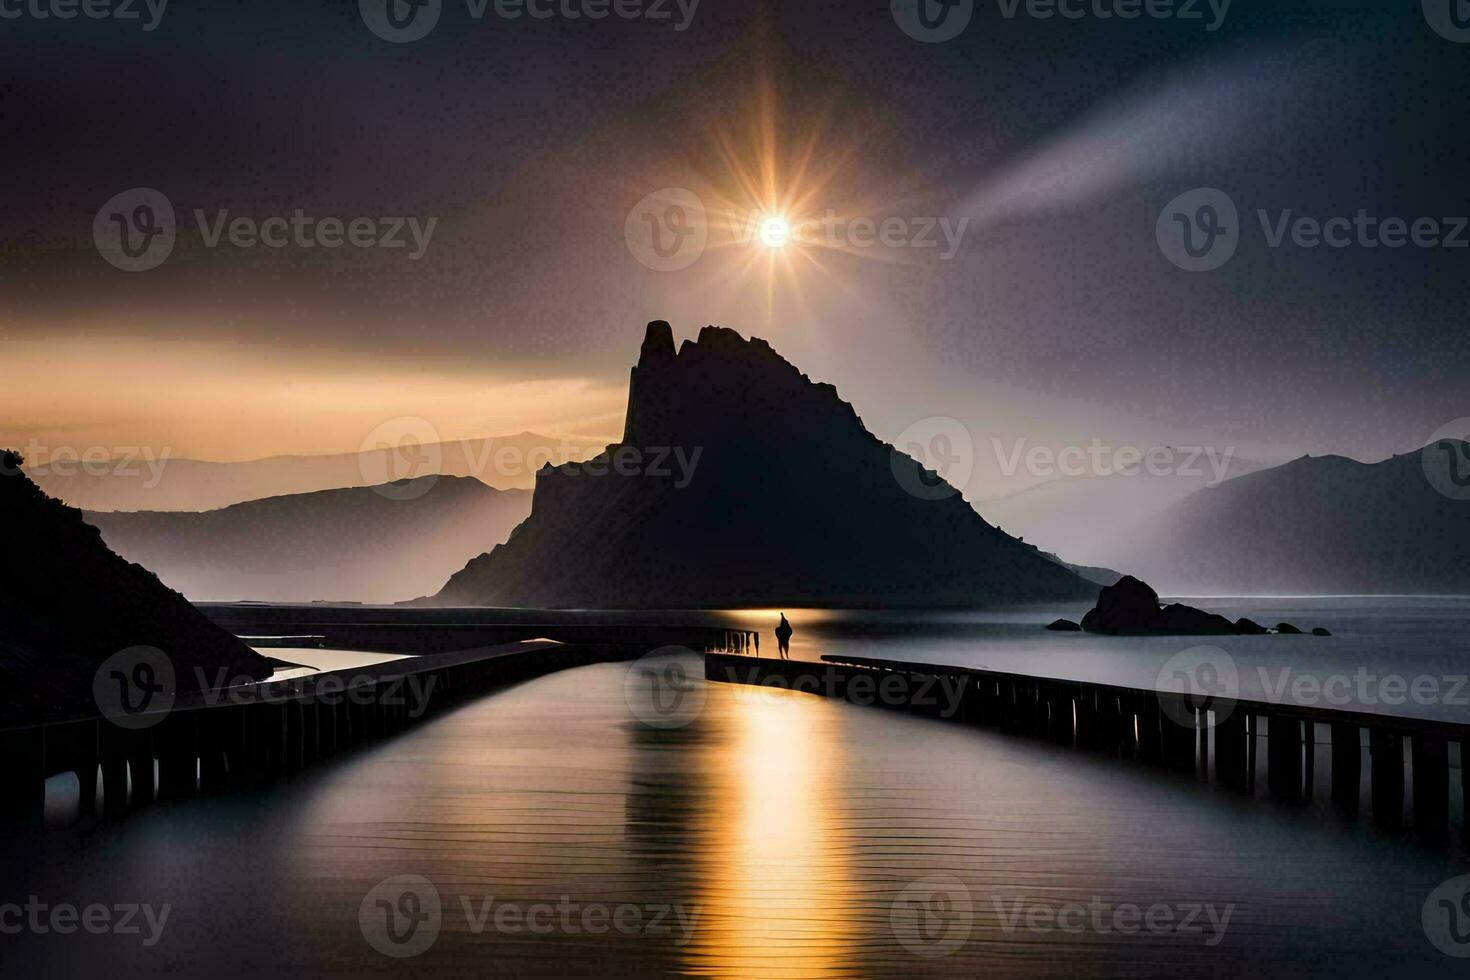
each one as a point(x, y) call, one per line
point(783, 637)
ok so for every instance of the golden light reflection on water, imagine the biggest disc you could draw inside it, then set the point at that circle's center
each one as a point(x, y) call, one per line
point(776, 889)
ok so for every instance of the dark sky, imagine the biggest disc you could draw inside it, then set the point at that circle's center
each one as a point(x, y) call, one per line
point(1057, 320)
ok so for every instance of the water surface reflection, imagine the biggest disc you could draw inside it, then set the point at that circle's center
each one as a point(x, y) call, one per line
point(780, 834)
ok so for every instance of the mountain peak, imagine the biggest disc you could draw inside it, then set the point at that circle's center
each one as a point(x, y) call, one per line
point(658, 343)
point(740, 480)
point(722, 384)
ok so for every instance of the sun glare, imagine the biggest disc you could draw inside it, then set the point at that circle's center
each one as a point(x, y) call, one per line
point(775, 231)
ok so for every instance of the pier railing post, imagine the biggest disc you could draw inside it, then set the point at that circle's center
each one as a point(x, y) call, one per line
point(140, 767)
point(1347, 766)
point(23, 774)
point(1150, 734)
point(216, 734)
point(1232, 745)
point(1284, 757)
point(112, 753)
point(1386, 752)
point(178, 755)
point(1178, 731)
point(1431, 760)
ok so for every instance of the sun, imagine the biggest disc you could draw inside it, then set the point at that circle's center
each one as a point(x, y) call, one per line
point(775, 231)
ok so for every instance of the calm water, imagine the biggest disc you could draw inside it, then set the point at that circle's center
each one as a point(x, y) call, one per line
point(768, 835)
point(1376, 642)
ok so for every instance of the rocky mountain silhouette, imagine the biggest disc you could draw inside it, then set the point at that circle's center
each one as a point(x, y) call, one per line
point(1323, 524)
point(782, 496)
point(1096, 520)
point(70, 603)
point(365, 544)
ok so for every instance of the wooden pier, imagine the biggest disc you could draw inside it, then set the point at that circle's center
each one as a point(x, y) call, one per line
point(1213, 738)
point(247, 736)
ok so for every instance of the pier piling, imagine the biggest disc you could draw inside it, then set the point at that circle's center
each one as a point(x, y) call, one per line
point(1386, 752)
point(1431, 764)
point(1347, 766)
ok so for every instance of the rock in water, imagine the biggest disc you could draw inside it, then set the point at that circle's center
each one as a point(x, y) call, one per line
point(1129, 607)
point(740, 481)
point(1321, 631)
point(1063, 626)
point(1286, 629)
point(1179, 618)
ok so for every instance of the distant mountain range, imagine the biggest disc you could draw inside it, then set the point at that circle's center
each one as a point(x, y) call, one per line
point(69, 604)
point(1323, 524)
point(165, 484)
point(740, 481)
point(1097, 519)
point(365, 544)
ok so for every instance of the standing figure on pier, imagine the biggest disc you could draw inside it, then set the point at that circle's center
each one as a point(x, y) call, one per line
point(783, 637)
